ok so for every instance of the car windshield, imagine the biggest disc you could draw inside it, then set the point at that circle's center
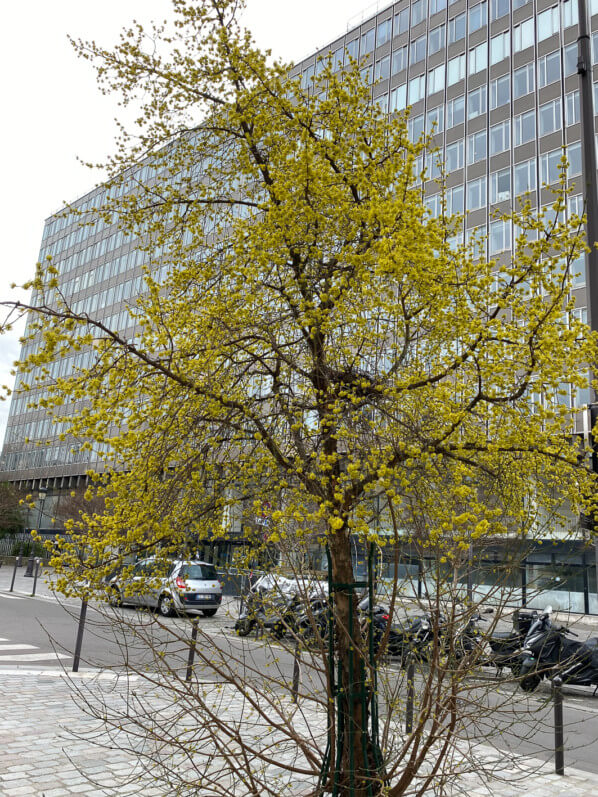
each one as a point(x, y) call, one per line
point(198, 572)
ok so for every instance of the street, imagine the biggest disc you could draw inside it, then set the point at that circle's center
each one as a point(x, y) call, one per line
point(40, 632)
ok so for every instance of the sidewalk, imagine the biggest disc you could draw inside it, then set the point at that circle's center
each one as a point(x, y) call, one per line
point(47, 748)
point(45, 737)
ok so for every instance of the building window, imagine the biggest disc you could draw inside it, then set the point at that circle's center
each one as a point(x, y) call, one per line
point(574, 159)
point(476, 193)
point(367, 74)
point(437, 5)
point(401, 22)
point(570, 59)
point(433, 161)
point(434, 205)
point(499, 238)
point(455, 111)
point(525, 176)
point(548, 23)
point(456, 69)
point(417, 89)
point(436, 79)
point(418, 11)
point(572, 110)
point(577, 270)
point(500, 91)
point(570, 13)
point(353, 49)
point(576, 206)
point(306, 78)
point(478, 58)
point(454, 156)
point(478, 16)
point(457, 28)
point(384, 32)
point(500, 47)
point(455, 200)
point(476, 102)
point(436, 39)
point(368, 40)
point(523, 35)
point(382, 102)
point(549, 117)
point(500, 185)
point(523, 81)
point(435, 119)
point(499, 8)
point(550, 164)
point(415, 126)
point(398, 98)
point(476, 147)
point(382, 68)
point(418, 49)
point(399, 60)
point(549, 68)
point(524, 127)
point(500, 137)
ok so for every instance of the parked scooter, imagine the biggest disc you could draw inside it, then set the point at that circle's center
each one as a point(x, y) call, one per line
point(311, 622)
point(411, 636)
point(253, 612)
point(548, 652)
point(506, 645)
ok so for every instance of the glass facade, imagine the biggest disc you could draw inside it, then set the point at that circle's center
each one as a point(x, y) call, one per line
point(493, 82)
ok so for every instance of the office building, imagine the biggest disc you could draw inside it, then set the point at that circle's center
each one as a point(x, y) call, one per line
point(495, 83)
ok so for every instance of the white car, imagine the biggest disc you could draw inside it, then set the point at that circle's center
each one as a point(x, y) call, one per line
point(188, 585)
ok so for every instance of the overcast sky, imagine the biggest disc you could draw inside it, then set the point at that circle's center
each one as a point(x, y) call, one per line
point(53, 113)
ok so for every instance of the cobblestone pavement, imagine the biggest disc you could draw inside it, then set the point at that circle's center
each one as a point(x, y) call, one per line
point(47, 748)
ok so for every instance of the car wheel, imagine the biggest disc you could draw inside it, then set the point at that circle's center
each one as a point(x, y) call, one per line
point(209, 612)
point(115, 598)
point(243, 627)
point(166, 606)
point(530, 682)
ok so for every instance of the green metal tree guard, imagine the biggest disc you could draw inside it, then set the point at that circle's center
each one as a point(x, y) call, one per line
point(367, 694)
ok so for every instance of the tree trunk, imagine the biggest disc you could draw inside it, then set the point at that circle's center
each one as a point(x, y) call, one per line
point(353, 766)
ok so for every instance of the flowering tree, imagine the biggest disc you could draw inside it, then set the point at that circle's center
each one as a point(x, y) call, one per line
point(317, 340)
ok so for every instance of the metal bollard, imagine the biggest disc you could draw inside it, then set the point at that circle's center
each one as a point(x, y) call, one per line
point(296, 672)
point(191, 650)
point(20, 556)
point(410, 693)
point(37, 564)
point(14, 573)
point(79, 641)
point(559, 737)
point(30, 563)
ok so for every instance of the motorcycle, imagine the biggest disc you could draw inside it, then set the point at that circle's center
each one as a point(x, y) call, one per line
point(549, 651)
point(403, 638)
point(506, 645)
point(254, 612)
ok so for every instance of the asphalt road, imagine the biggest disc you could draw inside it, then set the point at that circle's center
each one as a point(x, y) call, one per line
point(41, 632)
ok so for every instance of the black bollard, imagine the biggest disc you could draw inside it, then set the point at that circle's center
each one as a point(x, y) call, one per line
point(191, 649)
point(30, 564)
point(296, 672)
point(79, 641)
point(20, 556)
point(410, 693)
point(14, 573)
point(559, 738)
point(37, 564)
